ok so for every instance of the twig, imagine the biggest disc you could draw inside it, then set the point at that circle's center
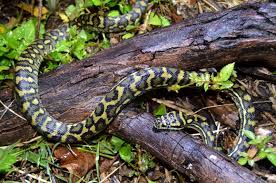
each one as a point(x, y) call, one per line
point(39, 18)
point(112, 173)
point(12, 111)
point(29, 141)
point(270, 117)
point(208, 107)
point(212, 4)
point(171, 104)
point(31, 176)
point(5, 110)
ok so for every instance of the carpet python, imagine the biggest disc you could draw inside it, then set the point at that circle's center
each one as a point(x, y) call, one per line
point(135, 84)
point(178, 120)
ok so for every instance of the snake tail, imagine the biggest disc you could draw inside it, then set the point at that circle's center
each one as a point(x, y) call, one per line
point(244, 103)
point(95, 22)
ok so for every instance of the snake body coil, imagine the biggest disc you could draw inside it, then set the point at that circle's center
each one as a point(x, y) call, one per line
point(178, 120)
point(26, 81)
point(94, 22)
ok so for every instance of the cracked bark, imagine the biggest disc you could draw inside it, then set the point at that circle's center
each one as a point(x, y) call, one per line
point(179, 150)
point(242, 34)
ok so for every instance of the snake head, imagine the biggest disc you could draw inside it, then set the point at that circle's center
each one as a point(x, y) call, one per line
point(161, 124)
point(167, 122)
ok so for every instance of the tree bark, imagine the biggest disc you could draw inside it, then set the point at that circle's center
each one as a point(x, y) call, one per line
point(242, 34)
point(180, 151)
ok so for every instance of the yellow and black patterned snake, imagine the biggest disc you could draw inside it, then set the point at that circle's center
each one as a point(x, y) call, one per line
point(178, 120)
point(135, 84)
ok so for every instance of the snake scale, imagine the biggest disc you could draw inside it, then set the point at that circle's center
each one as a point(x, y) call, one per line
point(243, 101)
point(135, 84)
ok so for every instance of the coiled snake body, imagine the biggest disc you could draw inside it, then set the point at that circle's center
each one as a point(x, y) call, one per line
point(26, 81)
point(178, 120)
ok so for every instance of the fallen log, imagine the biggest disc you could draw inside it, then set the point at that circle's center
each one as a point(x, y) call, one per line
point(242, 34)
point(180, 151)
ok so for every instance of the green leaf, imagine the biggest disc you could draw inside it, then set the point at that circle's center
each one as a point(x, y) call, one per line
point(165, 22)
point(158, 20)
point(206, 86)
point(79, 50)
point(126, 154)
point(83, 4)
point(146, 162)
point(225, 85)
point(266, 139)
point(4, 68)
point(154, 19)
point(5, 62)
point(7, 159)
point(128, 35)
point(97, 160)
point(26, 30)
point(19, 38)
point(97, 2)
point(251, 162)
point(262, 154)
point(226, 72)
point(215, 86)
point(117, 142)
point(270, 150)
point(160, 110)
point(175, 88)
point(244, 154)
point(272, 158)
point(71, 11)
point(249, 134)
point(242, 161)
point(130, 27)
point(255, 141)
point(193, 76)
point(150, 181)
point(6, 76)
point(125, 8)
point(114, 13)
point(36, 159)
point(105, 43)
point(2, 77)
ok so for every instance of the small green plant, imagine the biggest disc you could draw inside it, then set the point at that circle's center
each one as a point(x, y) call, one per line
point(263, 151)
point(160, 110)
point(219, 82)
point(158, 20)
point(12, 43)
point(128, 154)
point(124, 149)
point(8, 156)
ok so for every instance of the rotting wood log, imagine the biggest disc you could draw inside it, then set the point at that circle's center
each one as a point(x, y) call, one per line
point(242, 34)
point(180, 150)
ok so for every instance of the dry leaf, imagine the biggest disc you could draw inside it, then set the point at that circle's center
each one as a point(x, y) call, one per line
point(33, 10)
point(77, 162)
point(252, 151)
point(226, 114)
